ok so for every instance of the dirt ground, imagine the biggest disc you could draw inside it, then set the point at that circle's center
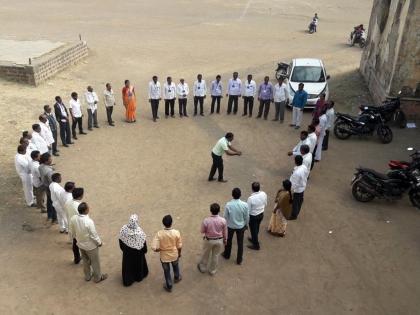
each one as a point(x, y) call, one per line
point(340, 257)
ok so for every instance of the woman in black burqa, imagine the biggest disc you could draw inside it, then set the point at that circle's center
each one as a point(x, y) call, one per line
point(133, 245)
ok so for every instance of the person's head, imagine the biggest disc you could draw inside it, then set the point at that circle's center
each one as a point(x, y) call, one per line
point(287, 185)
point(361, 26)
point(214, 208)
point(199, 77)
point(236, 193)
point(229, 136)
point(249, 77)
point(316, 15)
point(69, 186)
point(74, 96)
point(255, 186)
point(300, 87)
point(25, 134)
point(218, 77)
point(133, 222)
point(154, 78)
point(235, 75)
point(21, 149)
point(266, 79)
point(315, 121)
point(108, 86)
point(89, 88)
point(58, 99)
point(47, 109)
point(330, 104)
point(167, 221)
point(298, 160)
point(322, 96)
point(83, 208)
point(280, 80)
point(43, 118)
point(35, 155)
point(169, 80)
point(78, 193)
point(303, 135)
point(182, 80)
point(45, 159)
point(323, 110)
point(56, 177)
point(311, 128)
point(36, 127)
point(24, 141)
point(127, 83)
point(304, 149)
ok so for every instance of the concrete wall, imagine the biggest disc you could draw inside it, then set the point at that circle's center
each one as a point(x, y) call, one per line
point(391, 58)
point(46, 66)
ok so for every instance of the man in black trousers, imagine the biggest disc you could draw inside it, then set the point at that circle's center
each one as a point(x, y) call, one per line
point(62, 116)
point(222, 146)
point(53, 126)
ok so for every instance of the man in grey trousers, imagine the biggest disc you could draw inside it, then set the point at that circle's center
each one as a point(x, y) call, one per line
point(281, 99)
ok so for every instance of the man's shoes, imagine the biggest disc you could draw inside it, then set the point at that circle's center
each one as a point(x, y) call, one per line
point(54, 221)
point(167, 289)
point(65, 145)
point(258, 117)
point(77, 261)
point(211, 179)
point(96, 126)
point(239, 263)
point(83, 133)
point(199, 269)
point(292, 125)
point(75, 138)
point(244, 114)
point(297, 127)
point(185, 115)
point(250, 239)
point(222, 180)
point(154, 119)
point(292, 218)
point(103, 277)
point(224, 256)
point(112, 124)
point(253, 247)
point(275, 119)
point(176, 280)
point(90, 129)
point(56, 154)
point(317, 161)
point(201, 114)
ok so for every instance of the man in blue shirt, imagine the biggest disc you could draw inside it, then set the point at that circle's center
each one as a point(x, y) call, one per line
point(298, 103)
point(237, 217)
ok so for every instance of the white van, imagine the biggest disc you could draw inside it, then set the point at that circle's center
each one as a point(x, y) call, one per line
point(310, 72)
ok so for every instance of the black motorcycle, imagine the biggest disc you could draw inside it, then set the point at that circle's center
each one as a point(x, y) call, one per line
point(366, 124)
point(368, 184)
point(389, 110)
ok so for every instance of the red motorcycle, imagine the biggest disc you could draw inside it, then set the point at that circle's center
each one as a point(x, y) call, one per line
point(401, 165)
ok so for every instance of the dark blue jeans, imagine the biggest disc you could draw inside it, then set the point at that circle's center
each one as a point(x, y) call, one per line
point(167, 272)
point(51, 213)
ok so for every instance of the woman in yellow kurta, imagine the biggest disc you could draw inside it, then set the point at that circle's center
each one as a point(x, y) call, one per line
point(129, 101)
point(282, 210)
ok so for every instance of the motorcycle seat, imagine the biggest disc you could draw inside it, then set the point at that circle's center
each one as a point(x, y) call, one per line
point(375, 173)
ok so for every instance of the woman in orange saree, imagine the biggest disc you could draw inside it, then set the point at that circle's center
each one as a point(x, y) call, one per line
point(129, 101)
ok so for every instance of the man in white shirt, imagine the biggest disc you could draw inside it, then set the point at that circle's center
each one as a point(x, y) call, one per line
point(222, 146)
point(249, 91)
point(330, 123)
point(307, 157)
point(46, 132)
point(71, 210)
point(92, 107)
point(323, 121)
point(182, 90)
point(303, 140)
point(39, 191)
point(312, 141)
point(256, 204)
point(52, 124)
point(216, 94)
point(234, 90)
point(298, 179)
point(76, 114)
point(56, 191)
point(23, 169)
point(281, 99)
point(83, 228)
point(109, 100)
point(155, 95)
point(169, 95)
point(66, 196)
point(199, 91)
point(38, 140)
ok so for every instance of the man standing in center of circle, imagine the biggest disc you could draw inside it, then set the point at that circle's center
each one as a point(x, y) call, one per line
point(234, 89)
point(182, 91)
point(265, 96)
point(222, 146)
point(250, 88)
point(200, 90)
point(169, 94)
point(154, 96)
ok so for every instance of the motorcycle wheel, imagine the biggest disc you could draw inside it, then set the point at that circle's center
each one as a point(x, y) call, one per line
point(340, 134)
point(400, 119)
point(385, 134)
point(415, 198)
point(359, 193)
point(362, 43)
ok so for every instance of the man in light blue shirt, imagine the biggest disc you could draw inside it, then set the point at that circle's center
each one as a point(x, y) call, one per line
point(298, 103)
point(216, 94)
point(237, 217)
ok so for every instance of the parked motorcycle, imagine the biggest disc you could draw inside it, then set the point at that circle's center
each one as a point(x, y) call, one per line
point(368, 184)
point(402, 165)
point(358, 37)
point(282, 70)
point(346, 126)
point(390, 110)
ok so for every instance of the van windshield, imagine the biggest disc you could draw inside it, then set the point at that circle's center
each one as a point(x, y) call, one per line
point(308, 74)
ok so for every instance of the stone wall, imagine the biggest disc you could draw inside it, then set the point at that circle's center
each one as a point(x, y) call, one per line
point(391, 58)
point(45, 66)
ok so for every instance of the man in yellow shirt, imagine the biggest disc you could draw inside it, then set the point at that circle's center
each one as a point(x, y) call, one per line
point(169, 244)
